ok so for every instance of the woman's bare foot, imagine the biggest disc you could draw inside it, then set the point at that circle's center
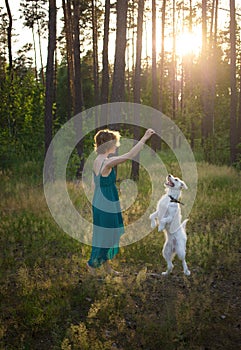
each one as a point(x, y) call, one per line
point(91, 269)
point(110, 270)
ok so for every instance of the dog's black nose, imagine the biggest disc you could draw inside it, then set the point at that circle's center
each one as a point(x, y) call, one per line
point(169, 175)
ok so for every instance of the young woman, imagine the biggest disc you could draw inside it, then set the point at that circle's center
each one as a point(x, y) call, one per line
point(107, 218)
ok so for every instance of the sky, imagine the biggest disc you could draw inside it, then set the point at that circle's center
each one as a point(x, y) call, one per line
point(24, 35)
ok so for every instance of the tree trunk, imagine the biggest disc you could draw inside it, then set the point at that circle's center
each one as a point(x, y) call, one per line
point(35, 54)
point(95, 52)
point(174, 67)
point(137, 84)
point(213, 65)
point(162, 54)
point(203, 68)
point(207, 75)
point(155, 138)
point(118, 86)
point(41, 55)
point(9, 31)
point(154, 69)
point(78, 103)
point(239, 121)
point(189, 77)
point(68, 28)
point(49, 94)
point(233, 102)
point(137, 74)
point(105, 59)
point(182, 70)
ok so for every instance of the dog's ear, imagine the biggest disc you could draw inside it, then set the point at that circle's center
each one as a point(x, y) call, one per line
point(184, 185)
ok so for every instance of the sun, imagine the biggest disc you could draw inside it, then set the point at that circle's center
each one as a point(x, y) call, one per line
point(188, 43)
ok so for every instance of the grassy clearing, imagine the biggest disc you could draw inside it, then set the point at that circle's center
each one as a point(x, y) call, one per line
point(49, 301)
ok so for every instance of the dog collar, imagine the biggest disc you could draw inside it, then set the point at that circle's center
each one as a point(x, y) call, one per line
point(175, 200)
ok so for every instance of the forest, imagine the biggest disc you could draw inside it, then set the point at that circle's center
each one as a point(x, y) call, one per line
point(182, 59)
point(179, 57)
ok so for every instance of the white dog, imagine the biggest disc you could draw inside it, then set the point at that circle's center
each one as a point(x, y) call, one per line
point(168, 218)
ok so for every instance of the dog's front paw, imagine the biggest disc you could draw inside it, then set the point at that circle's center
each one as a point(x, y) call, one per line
point(153, 221)
point(161, 226)
point(187, 273)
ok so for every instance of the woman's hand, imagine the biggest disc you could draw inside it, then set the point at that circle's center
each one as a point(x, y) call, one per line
point(113, 161)
point(148, 134)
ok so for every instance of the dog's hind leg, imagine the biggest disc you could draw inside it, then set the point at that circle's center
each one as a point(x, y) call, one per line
point(185, 268)
point(168, 255)
point(169, 268)
point(182, 256)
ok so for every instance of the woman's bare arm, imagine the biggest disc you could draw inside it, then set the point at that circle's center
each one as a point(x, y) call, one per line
point(92, 183)
point(113, 161)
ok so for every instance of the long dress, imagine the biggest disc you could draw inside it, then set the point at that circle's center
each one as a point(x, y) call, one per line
point(107, 219)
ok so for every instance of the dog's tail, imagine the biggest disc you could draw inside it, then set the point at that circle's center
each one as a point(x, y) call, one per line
point(184, 223)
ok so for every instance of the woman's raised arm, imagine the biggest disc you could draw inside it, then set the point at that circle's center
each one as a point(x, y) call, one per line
point(113, 161)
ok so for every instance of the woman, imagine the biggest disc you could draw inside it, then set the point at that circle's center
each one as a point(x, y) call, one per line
point(107, 218)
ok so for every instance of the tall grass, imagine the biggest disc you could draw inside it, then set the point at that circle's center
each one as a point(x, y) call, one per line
point(49, 301)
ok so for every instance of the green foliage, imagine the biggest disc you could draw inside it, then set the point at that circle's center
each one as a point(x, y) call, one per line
point(216, 148)
point(62, 100)
point(79, 338)
point(21, 111)
point(238, 162)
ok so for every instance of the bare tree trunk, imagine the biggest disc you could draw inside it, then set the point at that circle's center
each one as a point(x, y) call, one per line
point(204, 67)
point(190, 79)
point(182, 70)
point(212, 21)
point(95, 52)
point(137, 83)
point(154, 139)
point(205, 76)
point(49, 94)
point(11, 122)
point(213, 65)
point(133, 29)
point(207, 122)
point(40, 50)
point(68, 28)
point(130, 51)
point(35, 54)
point(9, 31)
point(137, 74)
point(105, 58)
point(55, 112)
point(128, 67)
point(233, 102)
point(154, 69)
point(239, 120)
point(174, 67)
point(78, 103)
point(118, 86)
point(162, 54)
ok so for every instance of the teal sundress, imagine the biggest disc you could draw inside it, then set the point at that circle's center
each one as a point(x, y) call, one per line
point(107, 219)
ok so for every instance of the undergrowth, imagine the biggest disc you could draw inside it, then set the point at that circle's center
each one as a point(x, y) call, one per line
point(50, 301)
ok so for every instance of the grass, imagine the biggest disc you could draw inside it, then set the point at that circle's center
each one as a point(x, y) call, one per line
point(50, 301)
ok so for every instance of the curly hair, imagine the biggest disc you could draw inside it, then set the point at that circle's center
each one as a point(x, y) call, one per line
point(105, 140)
